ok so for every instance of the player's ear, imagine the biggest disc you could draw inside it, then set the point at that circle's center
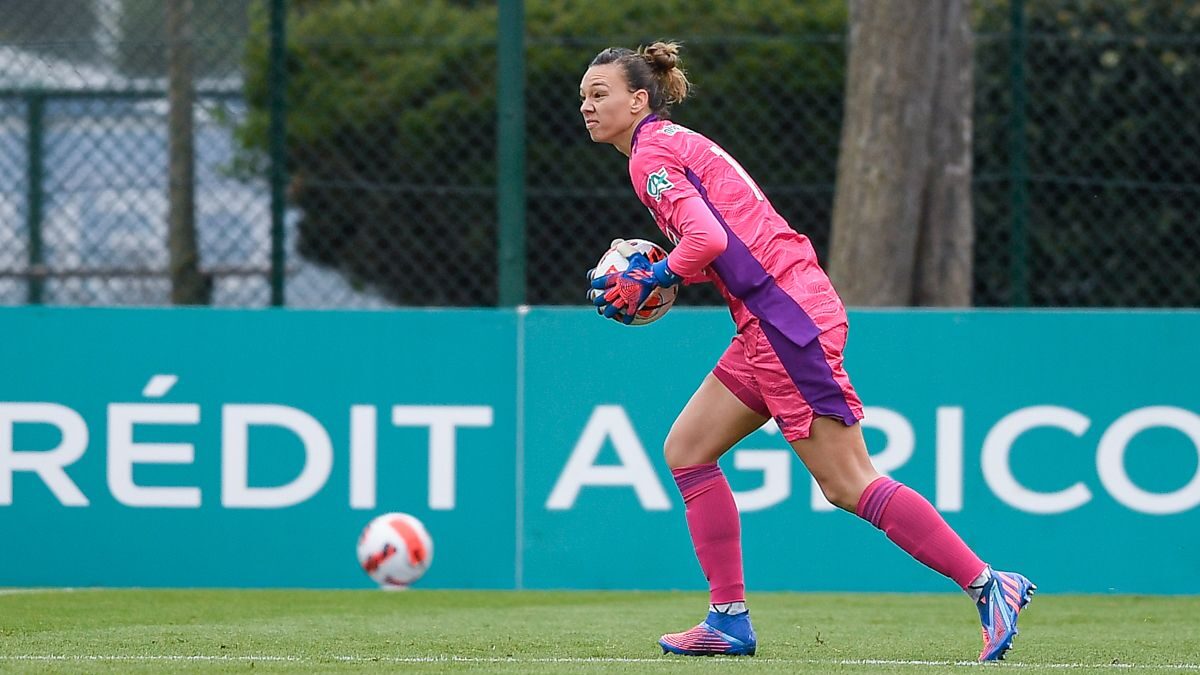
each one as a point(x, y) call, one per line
point(641, 99)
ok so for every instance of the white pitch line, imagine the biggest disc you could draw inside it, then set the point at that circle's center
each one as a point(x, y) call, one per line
point(812, 662)
point(59, 658)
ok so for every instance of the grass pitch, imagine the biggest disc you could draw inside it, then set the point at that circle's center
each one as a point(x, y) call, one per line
point(154, 631)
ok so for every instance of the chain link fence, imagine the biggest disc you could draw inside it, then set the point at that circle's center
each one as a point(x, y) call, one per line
point(1087, 175)
point(84, 174)
point(1086, 134)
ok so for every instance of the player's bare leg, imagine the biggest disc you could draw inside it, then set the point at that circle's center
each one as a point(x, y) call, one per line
point(836, 455)
point(711, 423)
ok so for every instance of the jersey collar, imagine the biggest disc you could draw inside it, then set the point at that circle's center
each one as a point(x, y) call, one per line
point(645, 120)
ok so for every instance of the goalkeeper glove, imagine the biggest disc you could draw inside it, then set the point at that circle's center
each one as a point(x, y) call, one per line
point(620, 246)
point(624, 249)
point(626, 291)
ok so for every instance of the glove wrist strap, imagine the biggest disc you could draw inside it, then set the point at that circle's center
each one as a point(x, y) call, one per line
point(663, 274)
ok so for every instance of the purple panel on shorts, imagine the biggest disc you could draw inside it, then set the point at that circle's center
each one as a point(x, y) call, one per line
point(746, 279)
point(811, 374)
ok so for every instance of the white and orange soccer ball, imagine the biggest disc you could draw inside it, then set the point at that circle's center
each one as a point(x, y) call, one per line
point(615, 260)
point(395, 549)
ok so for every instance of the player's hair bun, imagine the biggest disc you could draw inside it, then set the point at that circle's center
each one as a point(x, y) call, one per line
point(662, 56)
point(663, 59)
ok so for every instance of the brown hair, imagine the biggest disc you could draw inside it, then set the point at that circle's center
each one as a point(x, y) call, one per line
point(655, 68)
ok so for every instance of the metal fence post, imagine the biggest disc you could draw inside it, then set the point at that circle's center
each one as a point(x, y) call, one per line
point(35, 108)
point(278, 145)
point(510, 181)
point(1018, 169)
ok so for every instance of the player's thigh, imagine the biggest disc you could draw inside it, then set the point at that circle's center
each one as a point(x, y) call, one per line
point(711, 423)
point(836, 456)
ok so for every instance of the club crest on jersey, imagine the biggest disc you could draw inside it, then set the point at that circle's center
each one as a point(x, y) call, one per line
point(658, 183)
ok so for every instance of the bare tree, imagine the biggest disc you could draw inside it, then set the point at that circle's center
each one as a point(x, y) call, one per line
point(902, 228)
point(188, 284)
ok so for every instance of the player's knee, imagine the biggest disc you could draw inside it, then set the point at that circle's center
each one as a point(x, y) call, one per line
point(840, 493)
point(675, 453)
point(679, 450)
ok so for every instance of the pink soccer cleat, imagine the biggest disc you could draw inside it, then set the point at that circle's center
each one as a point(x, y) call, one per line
point(1003, 598)
point(719, 634)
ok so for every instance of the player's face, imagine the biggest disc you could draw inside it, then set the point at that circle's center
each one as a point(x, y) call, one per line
point(610, 111)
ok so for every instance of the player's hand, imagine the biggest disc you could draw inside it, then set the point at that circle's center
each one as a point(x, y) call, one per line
point(620, 246)
point(625, 249)
point(625, 292)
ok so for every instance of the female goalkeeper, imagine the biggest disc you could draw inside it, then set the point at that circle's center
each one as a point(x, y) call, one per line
point(785, 361)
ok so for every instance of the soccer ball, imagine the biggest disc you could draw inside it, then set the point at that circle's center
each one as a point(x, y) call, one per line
point(660, 300)
point(395, 550)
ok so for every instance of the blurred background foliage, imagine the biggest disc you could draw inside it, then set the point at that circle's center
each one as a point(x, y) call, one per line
point(1086, 159)
point(392, 124)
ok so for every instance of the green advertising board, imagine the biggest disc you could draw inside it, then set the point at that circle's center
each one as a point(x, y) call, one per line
point(200, 447)
point(244, 448)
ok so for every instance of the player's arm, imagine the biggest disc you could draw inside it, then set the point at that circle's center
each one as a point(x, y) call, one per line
point(660, 180)
point(701, 236)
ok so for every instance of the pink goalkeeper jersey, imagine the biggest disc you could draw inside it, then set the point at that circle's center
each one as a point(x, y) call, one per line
point(767, 271)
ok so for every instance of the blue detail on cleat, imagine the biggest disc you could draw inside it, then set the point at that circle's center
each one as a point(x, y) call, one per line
point(729, 634)
point(1001, 601)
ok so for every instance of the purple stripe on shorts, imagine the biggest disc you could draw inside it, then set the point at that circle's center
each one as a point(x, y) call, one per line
point(876, 498)
point(746, 279)
point(811, 374)
point(687, 477)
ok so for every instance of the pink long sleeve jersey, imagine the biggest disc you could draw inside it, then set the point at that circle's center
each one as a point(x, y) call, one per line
point(724, 229)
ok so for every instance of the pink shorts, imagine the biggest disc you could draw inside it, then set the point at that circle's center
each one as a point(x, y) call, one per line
point(776, 378)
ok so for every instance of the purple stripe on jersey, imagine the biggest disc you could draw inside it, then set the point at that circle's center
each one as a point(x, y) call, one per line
point(787, 326)
point(811, 374)
point(746, 279)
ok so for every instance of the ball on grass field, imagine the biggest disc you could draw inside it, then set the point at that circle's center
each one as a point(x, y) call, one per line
point(615, 260)
point(395, 550)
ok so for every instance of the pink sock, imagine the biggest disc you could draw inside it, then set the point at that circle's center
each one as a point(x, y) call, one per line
point(712, 518)
point(911, 522)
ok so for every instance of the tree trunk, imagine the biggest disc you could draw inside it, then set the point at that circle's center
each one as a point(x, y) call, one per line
point(188, 284)
point(902, 229)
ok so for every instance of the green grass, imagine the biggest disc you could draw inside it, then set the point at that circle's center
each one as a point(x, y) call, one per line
point(153, 631)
